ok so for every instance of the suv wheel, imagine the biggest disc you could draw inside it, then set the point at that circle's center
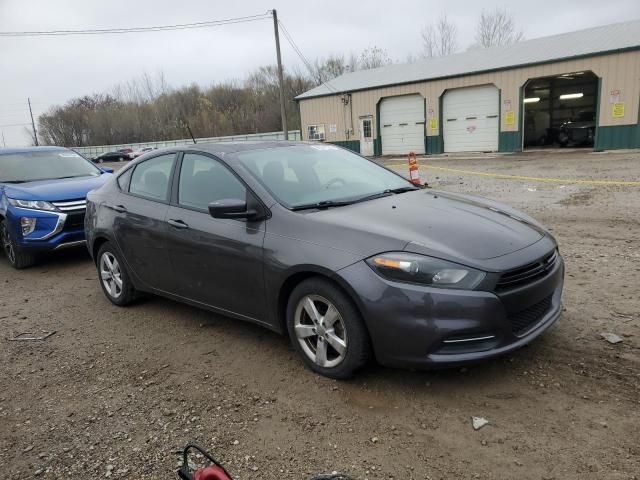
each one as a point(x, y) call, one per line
point(18, 258)
point(326, 329)
point(114, 279)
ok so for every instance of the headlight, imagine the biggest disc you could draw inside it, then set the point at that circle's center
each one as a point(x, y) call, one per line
point(423, 270)
point(32, 204)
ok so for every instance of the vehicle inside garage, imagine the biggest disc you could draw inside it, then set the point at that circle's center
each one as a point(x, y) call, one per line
point(560, 111)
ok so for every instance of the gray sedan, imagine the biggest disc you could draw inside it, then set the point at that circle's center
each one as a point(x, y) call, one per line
point(349, 259)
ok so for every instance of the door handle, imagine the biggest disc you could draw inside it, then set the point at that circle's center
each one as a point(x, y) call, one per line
point(117, 208)
point(177, 224)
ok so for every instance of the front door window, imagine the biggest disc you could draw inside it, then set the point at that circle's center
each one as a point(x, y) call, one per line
point(204, 180)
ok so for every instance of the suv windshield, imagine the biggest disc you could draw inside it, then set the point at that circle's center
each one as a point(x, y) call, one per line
point(320, 175)
point(47, 165)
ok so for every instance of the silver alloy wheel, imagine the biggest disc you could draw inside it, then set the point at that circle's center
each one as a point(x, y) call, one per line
point(320, 330)
point(7, 245)
point(111, 274)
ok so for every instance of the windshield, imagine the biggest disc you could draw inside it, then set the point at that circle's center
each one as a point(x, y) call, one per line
point(47, 165)
point(319, 174)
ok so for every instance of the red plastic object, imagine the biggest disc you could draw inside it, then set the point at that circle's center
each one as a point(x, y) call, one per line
point(212, 472)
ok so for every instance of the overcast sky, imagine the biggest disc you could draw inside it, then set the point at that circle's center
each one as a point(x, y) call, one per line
point(52, 70)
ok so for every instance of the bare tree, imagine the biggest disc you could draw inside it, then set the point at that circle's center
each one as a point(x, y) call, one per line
point(373, 57)
point(146, 109)
point(327, 69)
point(440, 39)
point(496, 28)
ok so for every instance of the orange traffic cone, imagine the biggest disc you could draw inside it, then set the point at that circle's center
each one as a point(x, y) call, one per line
point(414, 172)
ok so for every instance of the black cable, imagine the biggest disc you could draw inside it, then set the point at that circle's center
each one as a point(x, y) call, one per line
point(302, 57)
point(157, 28)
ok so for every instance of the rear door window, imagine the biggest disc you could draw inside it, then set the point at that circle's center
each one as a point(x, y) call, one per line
point(152, 177)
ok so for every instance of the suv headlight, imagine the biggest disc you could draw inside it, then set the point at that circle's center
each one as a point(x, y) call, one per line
point(423, 270)
point(32, 204)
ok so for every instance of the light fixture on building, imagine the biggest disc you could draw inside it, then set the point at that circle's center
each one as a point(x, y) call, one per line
point(568, 96)
point(532, 100)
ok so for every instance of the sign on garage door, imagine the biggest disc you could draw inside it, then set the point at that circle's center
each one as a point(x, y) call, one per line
point(402, 125)
point(470, 119)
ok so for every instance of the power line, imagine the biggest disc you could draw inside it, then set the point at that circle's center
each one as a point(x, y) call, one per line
point(302, 57)
point(157, 28)
point(295, 47)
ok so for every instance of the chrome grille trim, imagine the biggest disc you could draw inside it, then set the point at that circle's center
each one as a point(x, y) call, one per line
point(71, 205)
point(470, 339)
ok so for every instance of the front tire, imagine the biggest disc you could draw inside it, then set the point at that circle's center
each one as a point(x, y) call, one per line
point(17, 258)
point(326, 329)
point(114, 278)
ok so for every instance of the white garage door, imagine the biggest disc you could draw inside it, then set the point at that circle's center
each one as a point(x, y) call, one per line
point(402, 125)
point(470, 119)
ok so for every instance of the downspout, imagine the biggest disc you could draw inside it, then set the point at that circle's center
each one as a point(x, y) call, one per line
point(351, 112)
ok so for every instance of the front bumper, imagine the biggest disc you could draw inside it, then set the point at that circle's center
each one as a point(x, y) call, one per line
point(54, 230)
point(415, 326)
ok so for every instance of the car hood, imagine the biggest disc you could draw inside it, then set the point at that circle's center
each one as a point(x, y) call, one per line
point(55, 190)
point(458, 227)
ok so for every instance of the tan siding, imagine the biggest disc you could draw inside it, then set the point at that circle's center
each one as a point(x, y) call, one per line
point(620, 71)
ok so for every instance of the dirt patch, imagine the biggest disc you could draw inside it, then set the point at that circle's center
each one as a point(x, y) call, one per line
point(120, 391)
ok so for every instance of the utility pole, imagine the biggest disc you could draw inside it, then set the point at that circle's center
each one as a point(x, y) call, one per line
point(3, 142)
point(33, 124)
point(283, 110)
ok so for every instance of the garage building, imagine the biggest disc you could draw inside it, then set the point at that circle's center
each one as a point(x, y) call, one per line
point(578, 89)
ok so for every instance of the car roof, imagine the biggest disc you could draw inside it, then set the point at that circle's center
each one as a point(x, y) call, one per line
point(7, 151)
point(223, 148)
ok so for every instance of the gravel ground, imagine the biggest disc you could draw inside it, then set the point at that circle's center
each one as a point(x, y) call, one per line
point(117, 392)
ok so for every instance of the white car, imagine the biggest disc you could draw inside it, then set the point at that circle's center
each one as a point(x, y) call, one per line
point(142, 151)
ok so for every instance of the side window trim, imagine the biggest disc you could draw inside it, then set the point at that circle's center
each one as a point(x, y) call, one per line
point(175, 179)
point(167, 200)
point(126, 172)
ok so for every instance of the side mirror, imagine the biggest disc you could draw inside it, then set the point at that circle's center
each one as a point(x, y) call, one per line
point(231, 208)
point(106, 169)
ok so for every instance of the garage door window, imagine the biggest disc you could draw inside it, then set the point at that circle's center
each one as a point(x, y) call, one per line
point(315, 132)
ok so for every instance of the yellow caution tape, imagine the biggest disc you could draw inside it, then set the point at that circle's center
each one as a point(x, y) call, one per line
point(532, 179)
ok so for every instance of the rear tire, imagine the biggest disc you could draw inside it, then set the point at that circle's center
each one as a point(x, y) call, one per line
point(113, 276)
point(326, 329)
point(17, 258)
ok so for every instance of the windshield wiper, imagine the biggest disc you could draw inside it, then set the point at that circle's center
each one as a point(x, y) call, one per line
point(333, 203)
point(322, 204)
point(385, 193)
point(403, 189)
point(13, 181)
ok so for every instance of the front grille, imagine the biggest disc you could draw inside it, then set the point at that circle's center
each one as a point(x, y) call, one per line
point(71, 205)
point(74, 221)
point(527, 273)
point(523, 320)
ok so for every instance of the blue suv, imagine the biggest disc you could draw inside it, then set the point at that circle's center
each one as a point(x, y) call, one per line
point(43, 194)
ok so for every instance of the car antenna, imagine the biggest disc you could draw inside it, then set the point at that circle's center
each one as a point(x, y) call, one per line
point(189, 130)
